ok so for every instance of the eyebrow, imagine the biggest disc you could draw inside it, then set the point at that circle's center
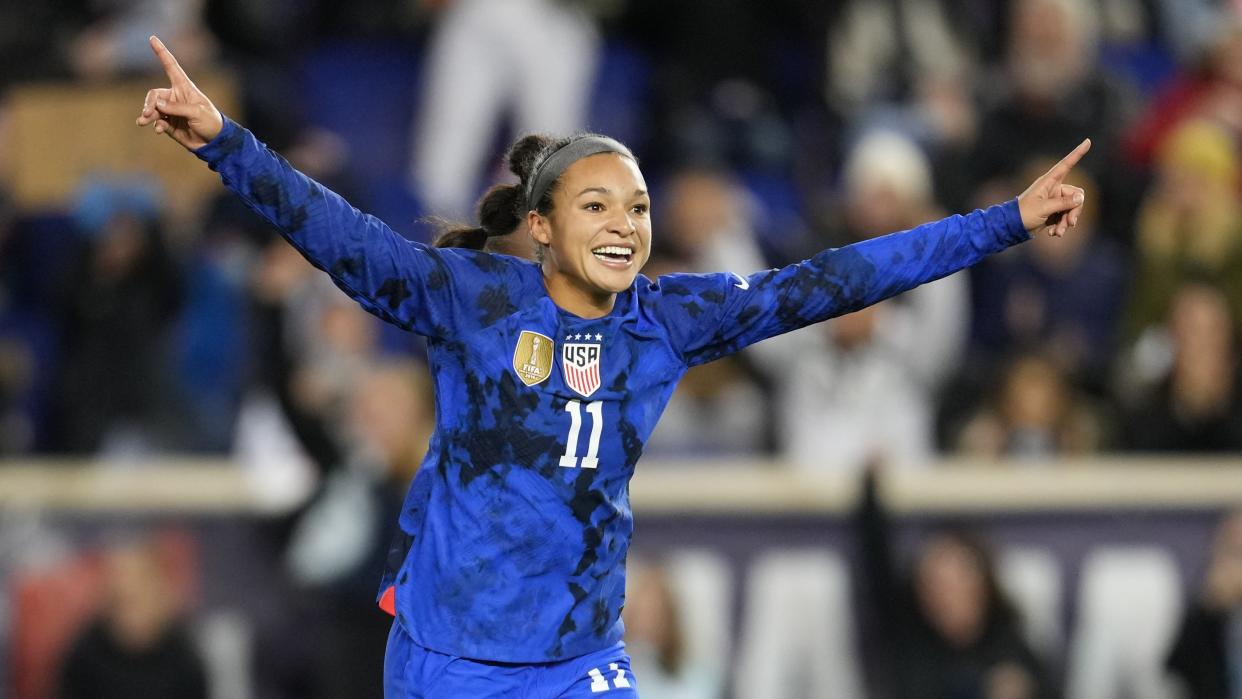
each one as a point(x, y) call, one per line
point(605, 190)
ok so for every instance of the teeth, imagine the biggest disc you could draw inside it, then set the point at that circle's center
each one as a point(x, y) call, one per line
point(612, 250)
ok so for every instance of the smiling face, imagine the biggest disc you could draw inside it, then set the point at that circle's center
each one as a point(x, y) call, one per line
point(598, 234)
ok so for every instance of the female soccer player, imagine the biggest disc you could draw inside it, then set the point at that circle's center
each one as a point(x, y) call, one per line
point(549, 377)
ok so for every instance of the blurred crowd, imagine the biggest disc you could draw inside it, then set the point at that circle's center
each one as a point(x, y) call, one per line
point(768, 131)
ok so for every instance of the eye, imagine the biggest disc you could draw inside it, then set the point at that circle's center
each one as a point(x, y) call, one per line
point(593, 206)
point(641, 208)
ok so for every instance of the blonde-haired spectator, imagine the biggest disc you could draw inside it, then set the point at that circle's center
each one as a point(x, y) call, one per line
point(1190, 224)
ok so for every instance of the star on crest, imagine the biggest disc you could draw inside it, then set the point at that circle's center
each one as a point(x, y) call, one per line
point(578, 336)
point(598, 337)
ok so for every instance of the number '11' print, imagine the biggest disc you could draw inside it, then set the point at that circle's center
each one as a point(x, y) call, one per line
point(570, 458)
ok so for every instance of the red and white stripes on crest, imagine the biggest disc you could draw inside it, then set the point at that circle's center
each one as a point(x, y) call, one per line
point(581, 364)
point(584, 381)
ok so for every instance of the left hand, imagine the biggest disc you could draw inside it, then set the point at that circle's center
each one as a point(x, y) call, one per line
point(1049, 205)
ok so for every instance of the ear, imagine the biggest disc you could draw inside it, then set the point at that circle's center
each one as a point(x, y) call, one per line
point(540, 227)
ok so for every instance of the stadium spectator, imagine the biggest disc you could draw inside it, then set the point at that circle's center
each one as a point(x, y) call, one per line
point(292, 316)
point(1062, 298)
point(1189, 225)
point(718, 409)
point(1037, 415)
point(534, 59)
point(656, 638)
point(287, 313)
point(1052, 88)
point(110, 42)
point(879, 53)
point(710, 222)
point(386, 423)
point(911, 65)
point(19, 365)
point(1196, 406)
point(863, 385)
point(211, 336)
point(948, 630)
point(138, 646)
point(119, 298)
point(1208, 650)
point(342, 538)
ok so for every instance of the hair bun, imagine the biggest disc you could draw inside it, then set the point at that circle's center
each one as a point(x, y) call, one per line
point(500, 210)
point(524, 152)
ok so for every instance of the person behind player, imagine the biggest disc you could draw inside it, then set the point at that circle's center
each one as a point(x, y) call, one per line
point(549, 377)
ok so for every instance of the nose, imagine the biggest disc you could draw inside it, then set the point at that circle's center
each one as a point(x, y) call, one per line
point(624, 225)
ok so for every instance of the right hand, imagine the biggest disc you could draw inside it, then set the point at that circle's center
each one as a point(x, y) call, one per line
point(181, 110)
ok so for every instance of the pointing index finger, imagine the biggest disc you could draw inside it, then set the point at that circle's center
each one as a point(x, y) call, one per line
point(171, 67)
point(1061, 169)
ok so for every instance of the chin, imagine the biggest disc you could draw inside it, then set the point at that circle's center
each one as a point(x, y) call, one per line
point(615, 280)
point(615, 286)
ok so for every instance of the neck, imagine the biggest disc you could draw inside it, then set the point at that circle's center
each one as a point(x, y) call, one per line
point(570, 295)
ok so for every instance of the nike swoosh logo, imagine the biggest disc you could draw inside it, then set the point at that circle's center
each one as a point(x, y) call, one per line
point(741, 281)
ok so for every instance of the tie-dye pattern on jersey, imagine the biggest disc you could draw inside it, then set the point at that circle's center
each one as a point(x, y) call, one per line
point(516, 526)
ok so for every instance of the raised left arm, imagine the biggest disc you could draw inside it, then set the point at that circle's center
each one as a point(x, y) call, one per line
point(712, 315)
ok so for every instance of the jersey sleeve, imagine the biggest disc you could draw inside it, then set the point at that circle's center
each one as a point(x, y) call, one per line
point(414, 286)
point(710, 315)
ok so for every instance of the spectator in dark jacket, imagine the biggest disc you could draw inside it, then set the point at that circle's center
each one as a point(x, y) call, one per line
point(118, 301)
point(1208, 653)
point(138, 645)
point(1196, 406)
point(949, 630)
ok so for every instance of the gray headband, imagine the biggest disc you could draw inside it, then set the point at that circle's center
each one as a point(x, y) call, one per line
point(552, 166)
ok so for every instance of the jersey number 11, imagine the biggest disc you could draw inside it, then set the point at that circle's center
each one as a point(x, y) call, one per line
point(596, 410)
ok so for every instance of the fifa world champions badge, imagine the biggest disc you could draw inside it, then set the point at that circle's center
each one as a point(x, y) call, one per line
point(532, 359)
point(580, 361)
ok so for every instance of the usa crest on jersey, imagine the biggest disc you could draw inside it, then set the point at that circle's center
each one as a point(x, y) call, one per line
point(580, 361)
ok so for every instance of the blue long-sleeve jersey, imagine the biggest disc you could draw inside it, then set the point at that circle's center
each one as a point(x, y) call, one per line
point(518, 522)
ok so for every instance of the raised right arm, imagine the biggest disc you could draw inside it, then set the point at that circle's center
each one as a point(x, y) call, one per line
point(403, 282)
point(406, 283)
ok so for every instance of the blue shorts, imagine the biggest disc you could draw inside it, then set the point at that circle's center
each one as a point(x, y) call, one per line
point(414, 672)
